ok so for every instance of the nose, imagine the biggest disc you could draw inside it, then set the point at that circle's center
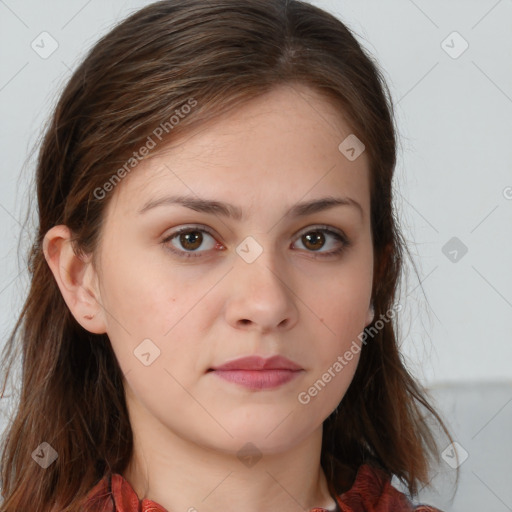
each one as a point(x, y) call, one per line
point(261, 296)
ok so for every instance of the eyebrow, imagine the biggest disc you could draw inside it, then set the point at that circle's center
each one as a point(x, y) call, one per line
point(228, 210)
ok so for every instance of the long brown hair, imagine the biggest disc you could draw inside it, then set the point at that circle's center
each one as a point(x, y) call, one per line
point(217, 54)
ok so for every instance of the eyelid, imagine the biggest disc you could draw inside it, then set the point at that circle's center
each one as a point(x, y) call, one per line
point(189, 227)
point(320, 227)
point(311, 227)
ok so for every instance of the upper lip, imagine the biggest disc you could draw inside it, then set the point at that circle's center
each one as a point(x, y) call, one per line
point(259, 363)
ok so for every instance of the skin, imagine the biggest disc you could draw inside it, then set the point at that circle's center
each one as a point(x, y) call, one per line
point(189, 424)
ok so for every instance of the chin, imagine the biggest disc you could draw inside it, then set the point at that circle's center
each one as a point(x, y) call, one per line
point(267, 436)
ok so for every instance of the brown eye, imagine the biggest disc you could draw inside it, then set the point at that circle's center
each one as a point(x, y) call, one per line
point(313, 241)
point(191, 240)
point(316, 239)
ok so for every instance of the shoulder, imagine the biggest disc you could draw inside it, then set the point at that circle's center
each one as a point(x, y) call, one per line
point(372, 490)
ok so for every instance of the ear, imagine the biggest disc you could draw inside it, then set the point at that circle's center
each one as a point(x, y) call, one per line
point(76, 279)
point(370, 316)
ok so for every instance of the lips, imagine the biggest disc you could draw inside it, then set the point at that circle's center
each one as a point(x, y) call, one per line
point(257, 373)
point(259, 363)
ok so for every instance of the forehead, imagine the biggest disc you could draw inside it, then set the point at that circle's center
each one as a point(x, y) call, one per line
point(282, 145)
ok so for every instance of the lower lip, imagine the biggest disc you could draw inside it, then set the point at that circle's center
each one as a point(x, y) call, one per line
point(258, 379)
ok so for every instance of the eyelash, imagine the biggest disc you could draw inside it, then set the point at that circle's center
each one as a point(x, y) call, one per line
point(194, 254)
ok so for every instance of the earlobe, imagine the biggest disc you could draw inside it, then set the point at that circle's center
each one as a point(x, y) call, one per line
point(371, 315)
point(76, 279)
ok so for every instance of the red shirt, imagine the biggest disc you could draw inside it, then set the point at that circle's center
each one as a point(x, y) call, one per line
point(371, 492)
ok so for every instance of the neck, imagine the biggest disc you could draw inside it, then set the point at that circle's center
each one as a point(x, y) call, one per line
point(179, 474)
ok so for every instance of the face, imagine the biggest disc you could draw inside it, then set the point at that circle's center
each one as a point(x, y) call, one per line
point(260, 277)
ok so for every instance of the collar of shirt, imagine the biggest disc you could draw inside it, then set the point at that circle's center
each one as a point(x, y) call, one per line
point(371, 491)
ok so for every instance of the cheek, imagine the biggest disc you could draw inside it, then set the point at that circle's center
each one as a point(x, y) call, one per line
point(341, 302)
point(337, 345)
point(152, 317)
point(141, 293)
point(340, 309)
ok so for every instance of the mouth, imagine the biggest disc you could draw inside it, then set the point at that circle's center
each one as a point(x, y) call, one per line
point(259, 363)
point(258, 379)
point(257, 373)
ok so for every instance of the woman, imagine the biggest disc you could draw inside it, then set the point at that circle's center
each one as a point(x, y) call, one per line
point(210, 324)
